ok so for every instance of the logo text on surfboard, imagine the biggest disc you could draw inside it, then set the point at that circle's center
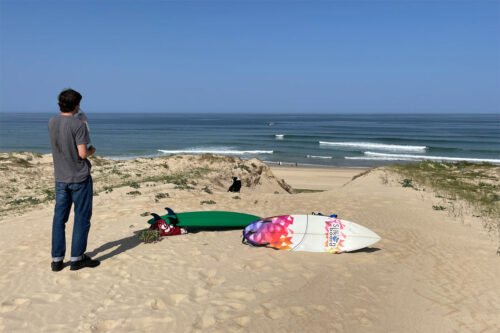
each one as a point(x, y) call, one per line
point(334, 235)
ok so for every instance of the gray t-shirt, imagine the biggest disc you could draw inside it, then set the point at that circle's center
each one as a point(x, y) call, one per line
point(65, 134)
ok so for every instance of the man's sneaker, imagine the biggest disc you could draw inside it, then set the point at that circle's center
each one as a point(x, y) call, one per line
point(85, 262)
point(57, 266)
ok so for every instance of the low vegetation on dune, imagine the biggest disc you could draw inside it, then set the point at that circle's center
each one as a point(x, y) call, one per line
point(478, 185)
point(28, 180)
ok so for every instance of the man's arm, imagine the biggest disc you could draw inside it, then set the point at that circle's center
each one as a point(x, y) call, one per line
point(83, 152)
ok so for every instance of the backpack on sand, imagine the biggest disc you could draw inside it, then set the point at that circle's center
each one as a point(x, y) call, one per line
point(165, 228)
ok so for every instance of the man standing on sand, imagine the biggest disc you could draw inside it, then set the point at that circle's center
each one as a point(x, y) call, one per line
point(69, 137)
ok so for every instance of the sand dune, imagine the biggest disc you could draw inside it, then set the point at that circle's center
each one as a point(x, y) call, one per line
point(431, 272)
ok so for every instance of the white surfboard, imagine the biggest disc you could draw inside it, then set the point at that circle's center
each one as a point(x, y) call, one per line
point(313, 233)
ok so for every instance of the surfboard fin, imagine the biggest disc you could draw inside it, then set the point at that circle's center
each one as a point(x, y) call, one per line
point(156, 216)
point(172, 217)
point(156, 219)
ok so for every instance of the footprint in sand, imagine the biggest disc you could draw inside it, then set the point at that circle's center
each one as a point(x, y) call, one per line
point(253, 265)
point(242, 321)
point(361, 315)
point(214, 282)
point(236, 306)
point(63, 281)
point(14, 304)
point(80, 276)
point(223, 313)
point(308, 275)
point(193, 274)
point(199, 292)
point(106, 325)
point(240, 295)
point(205, 320)
point(176, 299)
point(157, 304)
point(320, 308)
point(274, 313)
point(195, 252)
point(277, 281)
point(49, 298)
point(208, 273)
point(220, 257)
point(124, 275)
point(299, 311)
point(211, 278)
point(264, 287)
point(292, 267)
point(152, 324)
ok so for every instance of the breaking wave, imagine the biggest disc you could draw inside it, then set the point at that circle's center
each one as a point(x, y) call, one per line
point(404, 157)
point(376, 146)
point(218, 151)
point(322, 157)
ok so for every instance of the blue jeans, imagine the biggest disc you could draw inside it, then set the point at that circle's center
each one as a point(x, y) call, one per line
point(79, 194)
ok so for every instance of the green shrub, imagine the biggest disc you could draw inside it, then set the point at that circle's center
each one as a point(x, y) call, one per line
point(134, 193)
point(149, 236)
point(162, 195)
point(133, 184)
point(50, 194)
point(208, 202)
point(407, 182)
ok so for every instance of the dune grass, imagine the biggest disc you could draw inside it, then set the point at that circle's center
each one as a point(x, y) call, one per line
point(305, 190)
point(476, 184)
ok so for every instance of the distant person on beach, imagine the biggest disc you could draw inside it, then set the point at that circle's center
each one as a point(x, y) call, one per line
point(235, 186)
point(69, 137)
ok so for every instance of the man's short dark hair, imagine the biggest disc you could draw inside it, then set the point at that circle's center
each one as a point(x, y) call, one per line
point(69, 99)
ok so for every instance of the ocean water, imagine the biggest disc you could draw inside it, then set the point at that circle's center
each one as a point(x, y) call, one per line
point(345, 140)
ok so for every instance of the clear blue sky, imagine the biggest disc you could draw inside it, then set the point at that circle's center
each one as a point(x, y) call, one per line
point(251, 56)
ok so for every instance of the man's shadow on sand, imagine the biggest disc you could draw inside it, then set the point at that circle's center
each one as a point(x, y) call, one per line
point(130, 242)
point(120, 246)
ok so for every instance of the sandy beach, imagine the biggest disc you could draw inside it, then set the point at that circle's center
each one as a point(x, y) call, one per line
point(432, 271)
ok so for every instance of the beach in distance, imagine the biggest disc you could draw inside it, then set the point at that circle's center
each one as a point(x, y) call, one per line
point(435, 268)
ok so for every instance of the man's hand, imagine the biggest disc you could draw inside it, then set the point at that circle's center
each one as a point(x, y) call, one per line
point(91, 151)
point(85, 152)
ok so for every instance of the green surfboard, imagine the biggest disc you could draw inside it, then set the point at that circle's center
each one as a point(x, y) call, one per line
point(208, 219)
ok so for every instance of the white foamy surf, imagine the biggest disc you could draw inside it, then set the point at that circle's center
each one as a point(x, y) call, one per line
point(321, 157)
point(404, 157)
point(216, 151)
point(376, 146)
